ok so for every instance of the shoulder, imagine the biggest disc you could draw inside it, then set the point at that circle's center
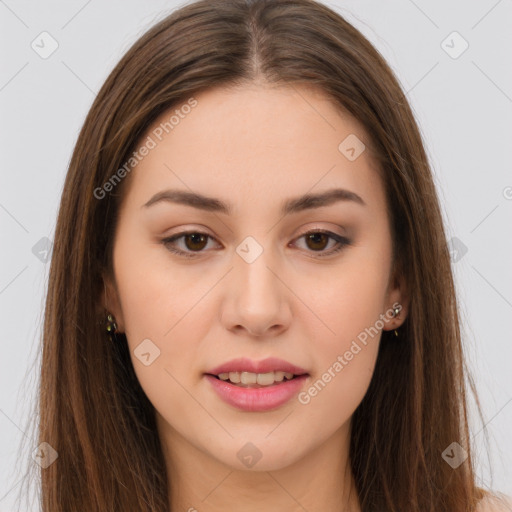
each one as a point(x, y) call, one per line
point(495, 502)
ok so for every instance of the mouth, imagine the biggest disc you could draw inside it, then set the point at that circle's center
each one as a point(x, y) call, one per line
point(257, 386)
point(277, 388)
point(256, 380)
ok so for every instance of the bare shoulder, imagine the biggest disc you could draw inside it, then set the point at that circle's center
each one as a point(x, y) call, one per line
point(497, 502)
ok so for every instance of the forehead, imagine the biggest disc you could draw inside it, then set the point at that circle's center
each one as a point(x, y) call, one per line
point(256, 143)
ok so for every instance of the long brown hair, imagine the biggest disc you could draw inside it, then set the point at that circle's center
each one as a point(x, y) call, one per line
point(92, 409)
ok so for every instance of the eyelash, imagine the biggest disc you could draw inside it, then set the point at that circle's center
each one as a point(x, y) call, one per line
point(342, 243)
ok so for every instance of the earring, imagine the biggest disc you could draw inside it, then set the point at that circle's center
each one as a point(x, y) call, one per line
point(396, 312)
point(111, 325)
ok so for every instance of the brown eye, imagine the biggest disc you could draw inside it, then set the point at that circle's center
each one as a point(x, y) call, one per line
point(197, 241)
point(317, 241)
point(193, 243)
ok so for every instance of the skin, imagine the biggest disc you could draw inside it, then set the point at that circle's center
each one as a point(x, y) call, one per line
point(255, 146)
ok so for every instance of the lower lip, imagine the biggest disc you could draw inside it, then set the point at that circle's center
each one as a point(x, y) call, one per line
point(257, 399)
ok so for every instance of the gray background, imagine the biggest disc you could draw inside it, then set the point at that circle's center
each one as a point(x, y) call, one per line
point(463, 106)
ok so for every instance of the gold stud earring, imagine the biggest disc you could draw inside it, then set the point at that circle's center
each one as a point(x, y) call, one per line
point(111, 324)
point(396, 312)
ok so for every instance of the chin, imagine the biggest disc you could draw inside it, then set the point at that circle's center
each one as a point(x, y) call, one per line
point(258, 456)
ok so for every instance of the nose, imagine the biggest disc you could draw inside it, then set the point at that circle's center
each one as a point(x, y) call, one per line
point(257, 300)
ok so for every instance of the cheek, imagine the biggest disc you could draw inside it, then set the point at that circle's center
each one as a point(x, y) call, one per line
point(155, 294)
point(157, 305)
point(347, 298)
point(350, 306)
point(169, 305)
point(344, 362)
point(332, 396)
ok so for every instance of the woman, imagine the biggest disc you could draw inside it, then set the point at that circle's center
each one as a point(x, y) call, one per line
point(250, 299)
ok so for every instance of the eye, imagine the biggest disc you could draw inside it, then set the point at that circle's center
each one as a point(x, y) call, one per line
point(195, 242)
point(317, 239)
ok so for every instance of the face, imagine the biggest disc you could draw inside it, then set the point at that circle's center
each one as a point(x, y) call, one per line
point(197, 287)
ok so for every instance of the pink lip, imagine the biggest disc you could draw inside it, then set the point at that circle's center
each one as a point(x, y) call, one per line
point(271, 364)
point(257, 399)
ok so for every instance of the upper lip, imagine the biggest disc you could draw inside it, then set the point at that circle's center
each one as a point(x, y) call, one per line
point(271, 364)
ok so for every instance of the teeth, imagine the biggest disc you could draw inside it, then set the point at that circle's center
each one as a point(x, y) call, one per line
point(234, 377)
point(265, 379)
point(248, 378)
point(254, 379)
point(279, 376)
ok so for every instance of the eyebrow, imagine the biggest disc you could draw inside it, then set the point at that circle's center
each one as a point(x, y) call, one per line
point(293, 205)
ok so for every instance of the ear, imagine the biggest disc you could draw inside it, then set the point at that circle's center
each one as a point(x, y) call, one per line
point(111, 302)
point(397, 297)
